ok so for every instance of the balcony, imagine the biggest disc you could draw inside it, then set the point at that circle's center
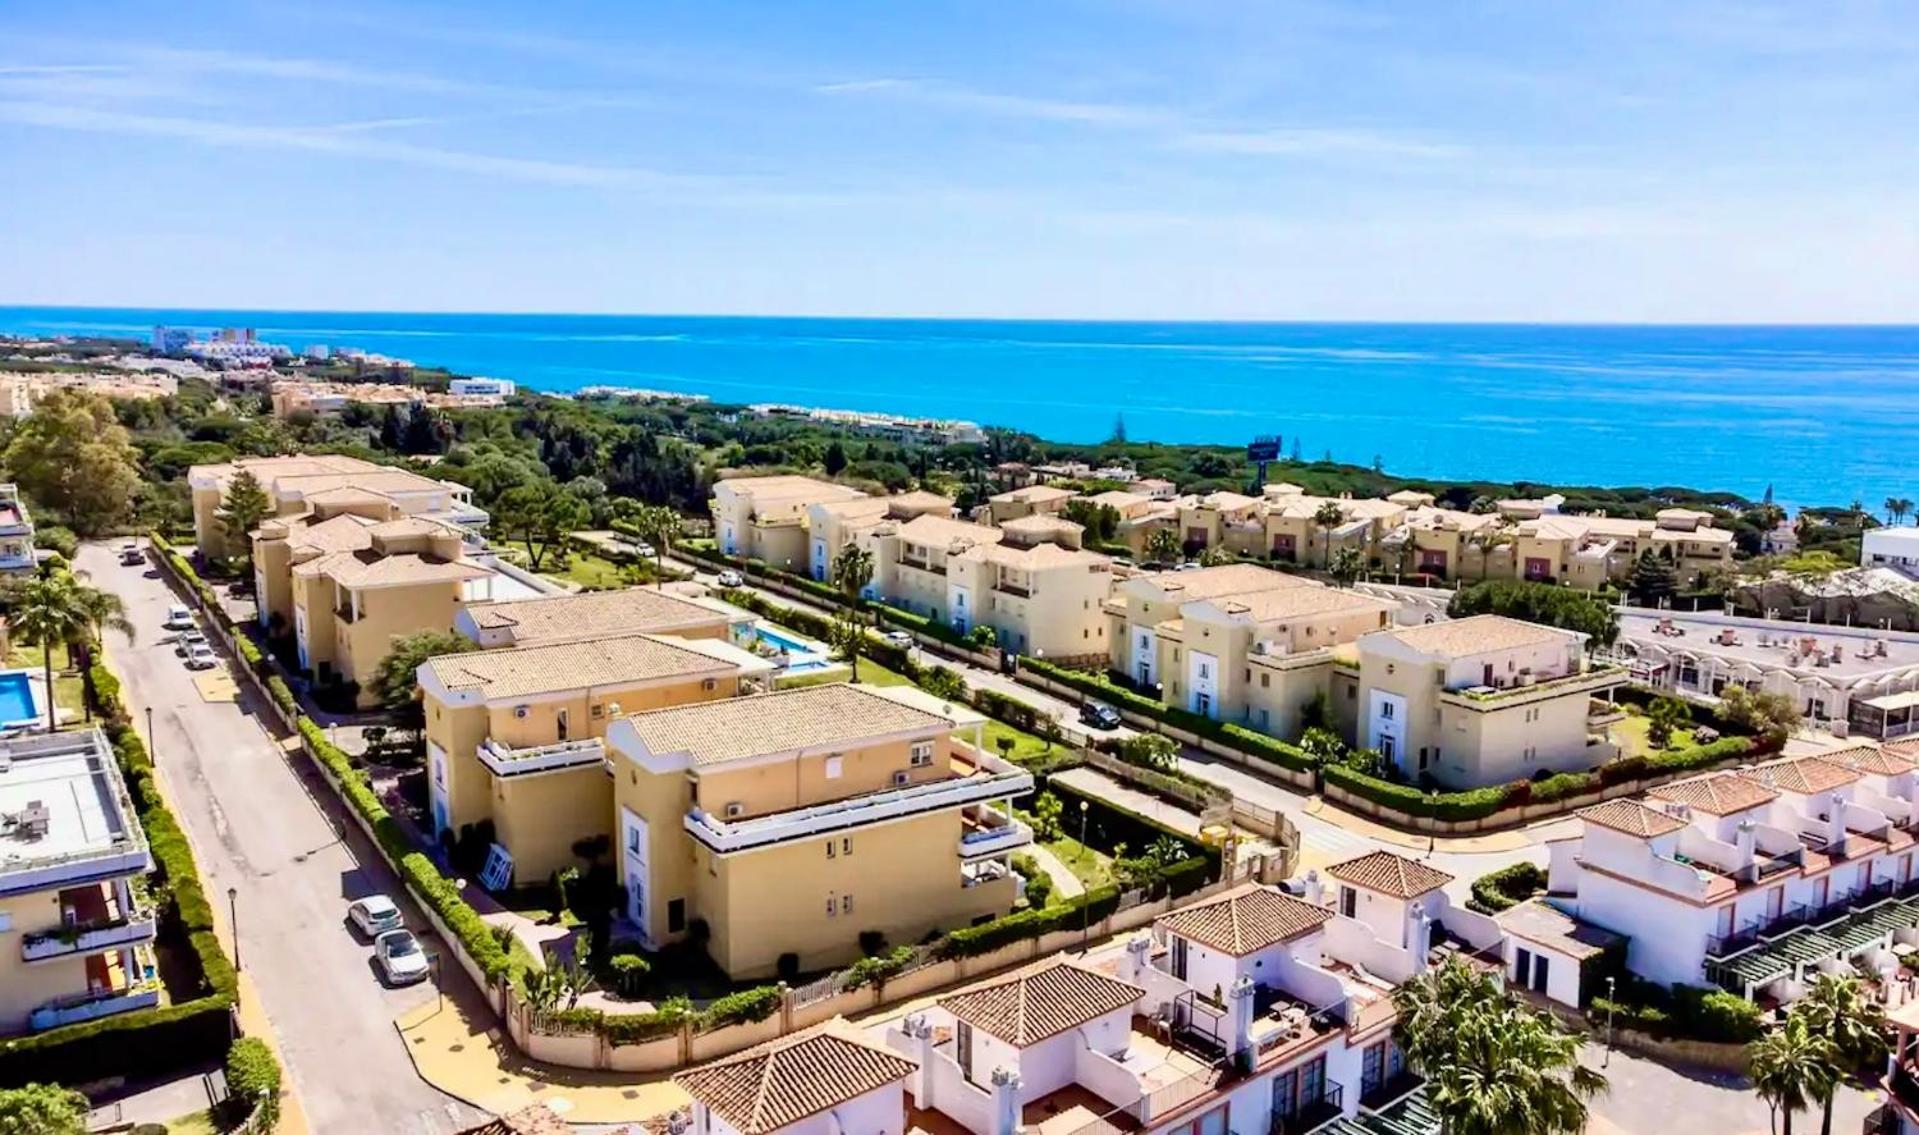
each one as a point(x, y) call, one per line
point(924, 565)
point(113, 990)
point(502, 760)
point(1389, 1091)
point(997, 781)
point(1311, 1115)
point(985, 832)
point(89, 937)
point(1019, 590)
point(1872, 894)
point(1590, 681)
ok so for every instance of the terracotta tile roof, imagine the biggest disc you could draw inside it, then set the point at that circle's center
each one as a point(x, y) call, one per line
point(1872, 759)
point(1299, 603)
point(1033, 558)
point(1804, 775)
point(1225, 579)
point(832, 715)
point(1040, 1001)
point(1390, 874)
point(1720, 794)
point(943, 532)
point(548, 668)
point(1477, 635)
point(1042, 522)
point(1033, 494)
point(366, 568)
point(793, 1078)
point(534, 1119)
point(339, 534)
point(1245, 919)
point(1632, 818)
point(594, 614)
point(785, 487)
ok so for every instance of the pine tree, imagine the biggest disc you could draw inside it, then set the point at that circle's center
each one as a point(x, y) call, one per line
point(1653, 579)
point(1119, 429)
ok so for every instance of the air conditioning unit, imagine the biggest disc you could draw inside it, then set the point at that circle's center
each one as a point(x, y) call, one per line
point(735, 810)
point(901, 778)
point(520, 711)
point(710, 684)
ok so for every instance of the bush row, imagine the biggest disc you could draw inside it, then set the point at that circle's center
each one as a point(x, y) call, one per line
point(1507, 887)
point(188, 576)
point(1683, 1011)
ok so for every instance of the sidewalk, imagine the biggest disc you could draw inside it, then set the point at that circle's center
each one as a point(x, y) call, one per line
point(463, 1051)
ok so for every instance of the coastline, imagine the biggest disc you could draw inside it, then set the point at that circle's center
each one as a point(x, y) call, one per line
point(1819, 413)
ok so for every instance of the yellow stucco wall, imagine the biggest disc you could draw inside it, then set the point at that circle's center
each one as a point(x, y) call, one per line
point(23, 986)
point(538, 817)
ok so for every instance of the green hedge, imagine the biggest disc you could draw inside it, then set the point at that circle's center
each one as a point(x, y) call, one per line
point(1507, 887)
point(1083, 909)
point(1471, 804)
point(253, 1075)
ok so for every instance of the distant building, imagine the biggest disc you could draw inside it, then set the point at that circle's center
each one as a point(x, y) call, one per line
point(171, 340)
point(17, 554)
point(1896, 548)
point(318, 352)
point(764, 518)
point(323, 485)
point(482, 387)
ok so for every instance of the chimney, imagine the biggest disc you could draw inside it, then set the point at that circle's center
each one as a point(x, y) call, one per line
point(919, 1036)
point(1240, 1004)
point(1835, 821)
point(1744, 840)
point(1005, 1101)
point(1419, 938)
point(1133, 962)
point(1315, 891)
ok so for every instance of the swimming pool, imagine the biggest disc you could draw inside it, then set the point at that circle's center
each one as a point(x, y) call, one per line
point(20, 702)
point(803, 656)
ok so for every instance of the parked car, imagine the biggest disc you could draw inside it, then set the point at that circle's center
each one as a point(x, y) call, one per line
point(644, 549)
point(200, 656)
point(1189, 565)
point(374, 915)
point(178, 617)
point(731, 578)
point(186, 640)
point(131, 556)
point(901, 639)
point(1099, 715)
point(402, 959)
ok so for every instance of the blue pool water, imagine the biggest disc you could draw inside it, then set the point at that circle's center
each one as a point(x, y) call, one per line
point(802, 657)
point(17, 703)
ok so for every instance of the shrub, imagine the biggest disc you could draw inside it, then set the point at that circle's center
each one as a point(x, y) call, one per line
point(1561, 786)
point(942, 682)
point(1039, 888)
point(629, 974)
point(877, 969)
point(1507, 887)
point(1472, 804)
point(1716, 1015)
point(744, 1007)
point(253, 1076)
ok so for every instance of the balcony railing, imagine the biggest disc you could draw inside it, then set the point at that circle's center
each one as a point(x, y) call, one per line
point(1312, 1114)
point(995, 838)
point(503, 760)
point(1790, 919)
point(92, 1006)
point(85, 938)
point(1390, 1090)
point(1720, 946)
point(1872, 893)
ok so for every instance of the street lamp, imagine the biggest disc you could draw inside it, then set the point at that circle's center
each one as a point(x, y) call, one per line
point(233, 918)
point(1611, 982)
point(153, 751)
point(1083, 807)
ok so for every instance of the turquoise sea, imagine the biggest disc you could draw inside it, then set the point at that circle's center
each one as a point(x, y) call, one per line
point(1824, 414)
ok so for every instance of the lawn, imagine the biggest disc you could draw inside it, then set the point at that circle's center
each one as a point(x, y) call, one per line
point(1026, 746)
point(597, 573)
point(193, 1123)
point(1094, 868)
point(67, 689)
point(1630, 735)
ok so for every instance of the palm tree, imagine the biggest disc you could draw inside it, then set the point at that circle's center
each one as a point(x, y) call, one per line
point(1899, 507)
point(1854, 1025)
point(50, 610)
point(104, 612)
point(1344, 566)
point(1493, 1066)
point(1792, 1068)
point(852, 571)
point(659, 524)
point(1162, 546)
point(1326, 516)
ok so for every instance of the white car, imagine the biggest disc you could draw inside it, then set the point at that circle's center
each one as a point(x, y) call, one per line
point(178, 617)
point(402, 959)
point(375, 915)
point(187, 639)
point(200, 656)
point(901, 639)
point(643, 550)
point(731, 578)
point(131, 556)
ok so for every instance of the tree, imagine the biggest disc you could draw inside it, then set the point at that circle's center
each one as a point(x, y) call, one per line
point(1345, 566)
point(1653, 579)
point(1046, 813)
point(1899, 508)
point(1770, 715)
point(1664, 717)
point(1326, 517)
point(1119, 429)
point(1492, 1065)
point(1162, 546)
point(1792, 1068)
point(104, 611)
point(835, 461)
point(1215, 556)
point(1538, 603)
point(242, 510)
point(396, 682)
point(1852, 1024)
point(539, 516)
point(852, 571)
point(659, 525)
point(42, 1109)
point(74, 457)
point(1150, 750)
point(49, 611)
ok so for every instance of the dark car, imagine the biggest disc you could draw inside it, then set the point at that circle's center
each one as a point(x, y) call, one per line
point(1099, 715)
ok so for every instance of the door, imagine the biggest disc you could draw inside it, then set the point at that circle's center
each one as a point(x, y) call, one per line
point(963, 1049)
point(1179, 958)
point(1541, 967)
point(1348, 901)
point(1203, 704)
point(1312, 1082)
point(1523, 968)
point(559, 725)
point(1286, 1094)
point(633, 848)
point(1725, 922)
point(1776, 902)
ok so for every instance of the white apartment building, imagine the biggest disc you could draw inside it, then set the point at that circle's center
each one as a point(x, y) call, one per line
point(1896, 548)
point(1754, 880)
point(1248, 1013)
point(482, 387)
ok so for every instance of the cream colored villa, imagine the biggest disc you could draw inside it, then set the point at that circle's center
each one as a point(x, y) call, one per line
point(764, 518)
point(597, 614)
point(834, 526)
point(1477, 701)
point(80, 938)
point(326, 485)
point(1238, 642)
point(791, 822)
point(514, 736)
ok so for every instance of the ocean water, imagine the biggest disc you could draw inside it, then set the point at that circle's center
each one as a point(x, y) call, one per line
point(1823, 414)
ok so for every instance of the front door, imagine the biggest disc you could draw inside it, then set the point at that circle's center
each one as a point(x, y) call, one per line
point(1179, 958)
point(633, 847)
point(1776, 901)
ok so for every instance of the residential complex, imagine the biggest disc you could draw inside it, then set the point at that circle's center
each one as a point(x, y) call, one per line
point(1250, 1010)
point(764, 518)
point(790, 823)
point(20, 393)
point(597, 614)
point(515, 736)
point(1408, 533)
point(1756, 880)
point(73, 853)
point(322, 398)
point(1481, 700)
point(307, 483)
point(17, 553)
point(834, 526)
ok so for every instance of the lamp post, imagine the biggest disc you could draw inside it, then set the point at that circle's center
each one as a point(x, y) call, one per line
point(153, 751)
point(1611, 983)
point(1083, 808)
point(233, 918)
point(439, 990)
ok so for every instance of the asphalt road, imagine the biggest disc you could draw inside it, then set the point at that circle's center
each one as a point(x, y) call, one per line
point(261, 821)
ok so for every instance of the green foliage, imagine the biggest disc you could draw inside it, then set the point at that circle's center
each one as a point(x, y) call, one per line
point(1717, 1015)
point(242, 508)
point(1047, 810)
point(396, 682)
point(539, 516)
point(1666, 715)
point(73, 457)
point(1151, 751)
point(253, 1075)
point(42, 1109)
point(1472, 804)
point(1498, 890)
point(1653, 579)
point(1772, 716)
point(877, 969)
point(1088, 908)
point(943, 682)
point(1544, 603)
point(743, 1007)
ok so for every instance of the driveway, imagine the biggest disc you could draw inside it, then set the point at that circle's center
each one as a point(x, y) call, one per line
point(262, 822)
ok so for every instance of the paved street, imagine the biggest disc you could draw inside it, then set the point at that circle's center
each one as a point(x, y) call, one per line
point(262, 822)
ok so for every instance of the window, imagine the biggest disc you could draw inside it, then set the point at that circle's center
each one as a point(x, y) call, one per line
point(1386, 710)
point(1348, 901)
point(832, 906)
point(846, 845)
point(846, 904)
point(1212, 1123)
point(834, 766)
point(675, 916)
point(599, 710)
point(830, 849)
point(633, 840)
point(922, 754)
point(1265, 681)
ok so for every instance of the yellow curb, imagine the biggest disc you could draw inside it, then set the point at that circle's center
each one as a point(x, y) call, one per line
point(476, 1063)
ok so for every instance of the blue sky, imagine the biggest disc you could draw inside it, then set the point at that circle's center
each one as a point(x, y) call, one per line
point(1527, 160)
